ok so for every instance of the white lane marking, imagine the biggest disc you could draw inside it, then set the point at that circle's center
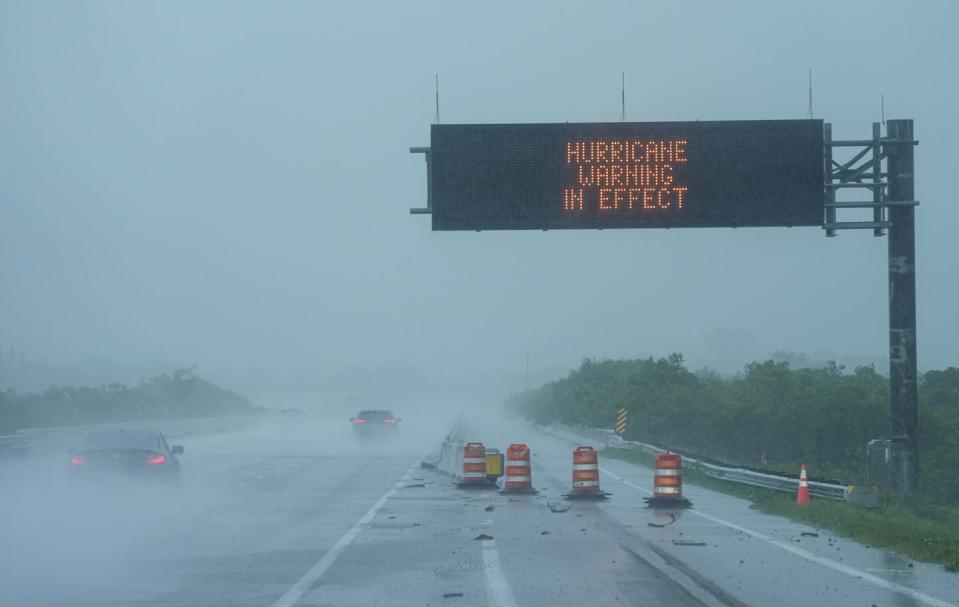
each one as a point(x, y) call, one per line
point(809, 556)
point(297, 590)
point(498, 593)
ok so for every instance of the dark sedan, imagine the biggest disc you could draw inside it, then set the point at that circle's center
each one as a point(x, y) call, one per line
point(374, 421)
point(143, 453)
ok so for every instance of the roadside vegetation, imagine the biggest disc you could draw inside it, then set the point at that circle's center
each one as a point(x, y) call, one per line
point(774, 417)
point(180, 395)
point(770, 416)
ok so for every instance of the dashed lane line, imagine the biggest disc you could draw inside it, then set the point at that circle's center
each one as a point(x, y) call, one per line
point(297, 590)
point(498, 593)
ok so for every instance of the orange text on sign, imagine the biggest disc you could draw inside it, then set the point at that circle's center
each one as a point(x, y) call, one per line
point(625, 176)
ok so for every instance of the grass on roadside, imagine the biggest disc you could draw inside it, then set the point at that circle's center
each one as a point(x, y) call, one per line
point(917, 527)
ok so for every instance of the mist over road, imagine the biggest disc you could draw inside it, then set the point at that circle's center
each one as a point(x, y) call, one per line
point(310, 515)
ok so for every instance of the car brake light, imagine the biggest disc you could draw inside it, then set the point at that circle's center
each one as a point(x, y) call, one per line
point(77, 461)
point(359, 420)
point(159, 459)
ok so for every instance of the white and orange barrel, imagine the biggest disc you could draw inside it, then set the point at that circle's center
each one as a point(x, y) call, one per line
point(474, 463)
point(518, 476)
point(668, 476)
point(585, 470)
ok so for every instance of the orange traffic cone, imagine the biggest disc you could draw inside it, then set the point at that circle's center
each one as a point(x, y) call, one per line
point(802, 496)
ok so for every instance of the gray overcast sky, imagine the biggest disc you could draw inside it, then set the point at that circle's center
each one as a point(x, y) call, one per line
point(227, 183)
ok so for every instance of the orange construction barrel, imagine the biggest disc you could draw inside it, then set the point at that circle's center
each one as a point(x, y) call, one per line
point(519, 477)
point(474, 463)
point(668, 481)
point(586, 474)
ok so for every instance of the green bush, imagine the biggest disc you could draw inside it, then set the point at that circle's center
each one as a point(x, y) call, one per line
point(180, 395)
point(769, 413)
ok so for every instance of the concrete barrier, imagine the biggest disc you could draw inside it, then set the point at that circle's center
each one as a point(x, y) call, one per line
point(449, 458)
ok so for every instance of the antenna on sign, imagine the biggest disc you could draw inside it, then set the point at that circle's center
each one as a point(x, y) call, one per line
point(882, 107)
point(810, 92)
point(527, 371)
point(622, 98)
point(437, 90)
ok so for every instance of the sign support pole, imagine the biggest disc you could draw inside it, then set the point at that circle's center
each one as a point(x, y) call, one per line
point(903, 373)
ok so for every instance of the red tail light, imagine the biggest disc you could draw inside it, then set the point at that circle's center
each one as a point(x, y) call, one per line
point(77, 461)
point(359, 420)
point(159, 459)
point(389, 420)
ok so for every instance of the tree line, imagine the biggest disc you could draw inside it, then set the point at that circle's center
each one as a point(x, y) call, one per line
point(769, 416)
point(181, 394)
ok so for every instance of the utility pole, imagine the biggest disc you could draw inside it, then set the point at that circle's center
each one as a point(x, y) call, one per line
point(903, 372)
point(527, 371)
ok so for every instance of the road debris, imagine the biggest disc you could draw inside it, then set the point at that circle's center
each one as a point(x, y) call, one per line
point(809, 534)
point(558, 506)
point(483, 536)
point(660, 526)
point(447, 595)
point(490, 508)
point(544, 532)
point(687, 543)
point(414, 485)
point(879, 570)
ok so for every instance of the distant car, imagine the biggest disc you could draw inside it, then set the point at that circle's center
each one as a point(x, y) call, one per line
point(143, 453)
point(288, 416)
point(370, 421)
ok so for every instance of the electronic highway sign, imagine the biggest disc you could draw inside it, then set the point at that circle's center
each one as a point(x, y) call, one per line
point(627, 175)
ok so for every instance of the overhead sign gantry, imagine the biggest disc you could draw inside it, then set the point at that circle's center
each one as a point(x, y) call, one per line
point(747, 173)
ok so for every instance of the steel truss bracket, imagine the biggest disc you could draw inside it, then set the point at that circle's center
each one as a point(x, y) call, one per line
point(864, 171)
point(428, 209)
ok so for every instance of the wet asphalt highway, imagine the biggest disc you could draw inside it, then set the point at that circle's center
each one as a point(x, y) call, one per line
point(307, 516)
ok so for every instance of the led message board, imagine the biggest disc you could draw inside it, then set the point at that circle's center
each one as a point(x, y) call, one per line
point(627, 175)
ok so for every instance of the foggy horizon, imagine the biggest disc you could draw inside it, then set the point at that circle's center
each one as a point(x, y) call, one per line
point(236, 197)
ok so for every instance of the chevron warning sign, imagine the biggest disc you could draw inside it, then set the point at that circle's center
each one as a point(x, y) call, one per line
point(621, 417)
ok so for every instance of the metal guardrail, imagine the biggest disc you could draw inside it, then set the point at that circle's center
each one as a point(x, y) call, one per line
point(771, 481)
point(13, 445)
point(727, 473)
point(34, 441)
